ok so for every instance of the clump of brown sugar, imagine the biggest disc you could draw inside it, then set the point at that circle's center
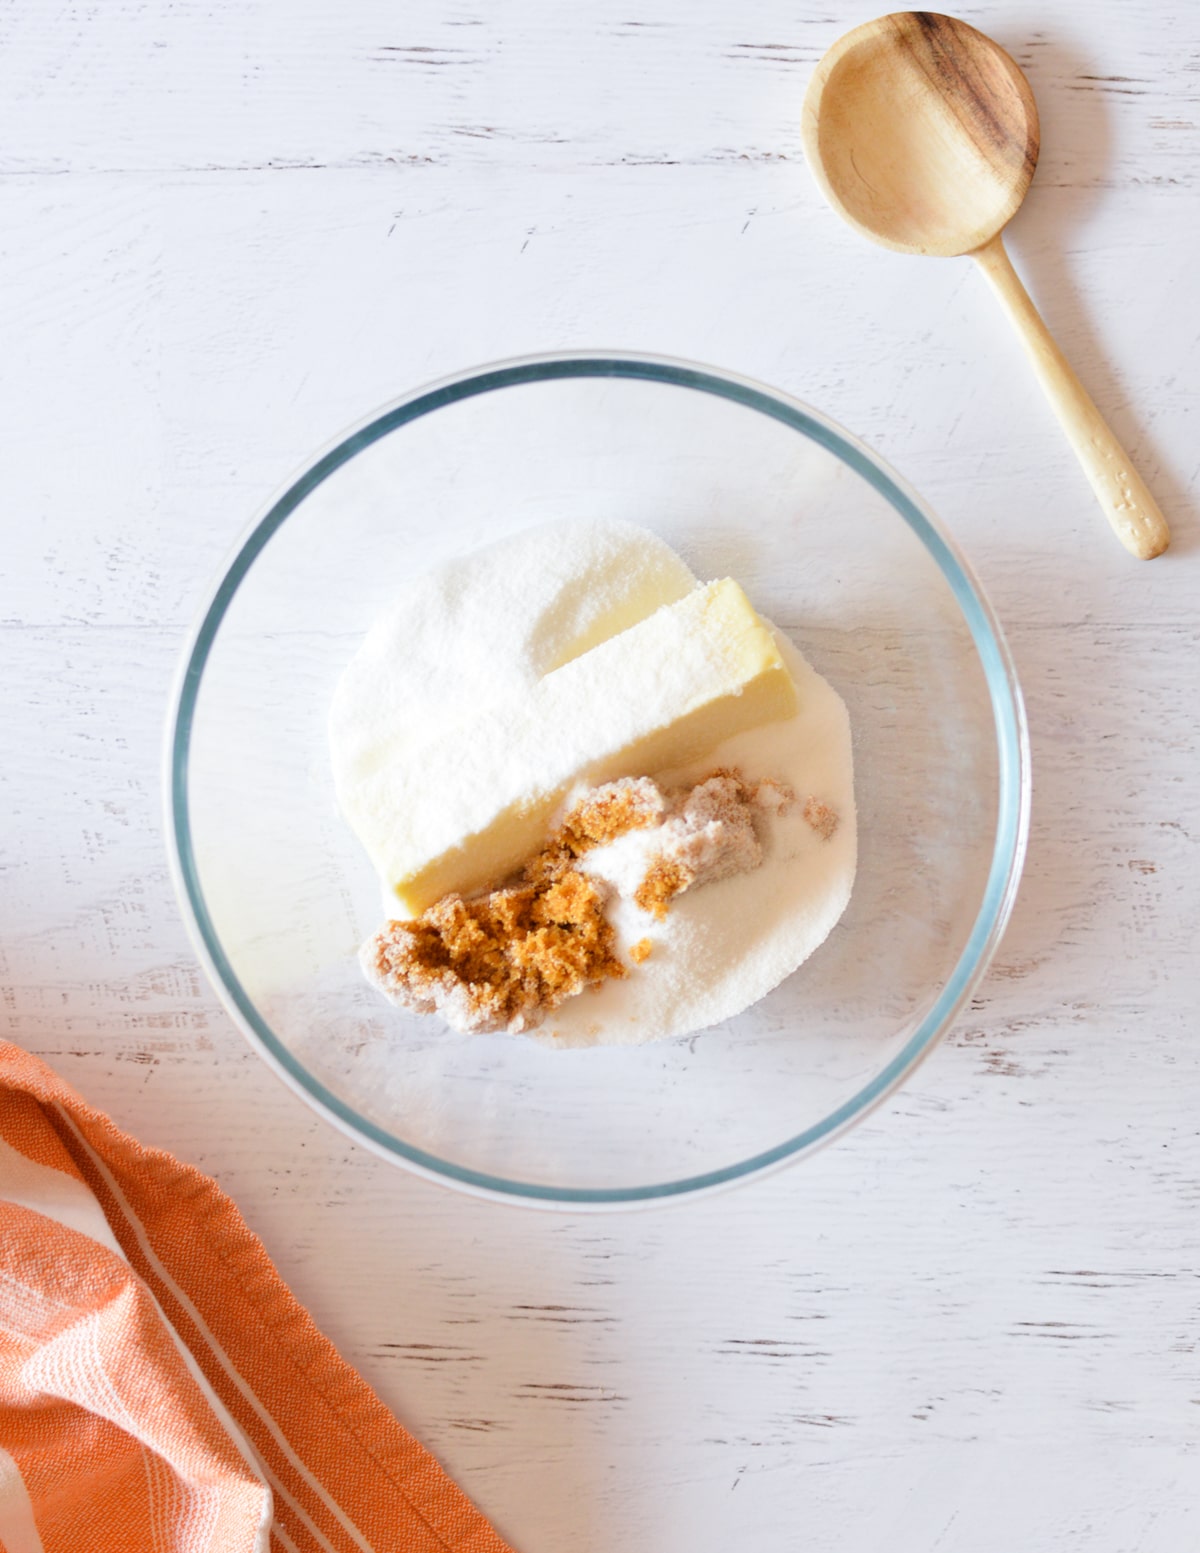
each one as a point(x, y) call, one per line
point(641, 951)
point(604, 813)
point(601, 815)
point(503, 960)
point(820, 817)
point(663, 882)
point(772, 795)
point(709, 835)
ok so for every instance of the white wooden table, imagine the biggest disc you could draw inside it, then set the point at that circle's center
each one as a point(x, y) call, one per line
point(226, 229)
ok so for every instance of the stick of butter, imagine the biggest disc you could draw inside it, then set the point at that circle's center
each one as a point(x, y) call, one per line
point(465, 810)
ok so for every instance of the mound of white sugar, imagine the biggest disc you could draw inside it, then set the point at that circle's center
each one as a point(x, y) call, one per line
point(493, 623)
point(486, 626)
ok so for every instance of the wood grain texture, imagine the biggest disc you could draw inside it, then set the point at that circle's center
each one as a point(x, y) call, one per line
point(225, 232)
point(922, 132)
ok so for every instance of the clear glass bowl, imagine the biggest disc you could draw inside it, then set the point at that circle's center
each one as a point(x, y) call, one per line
point(830, 544)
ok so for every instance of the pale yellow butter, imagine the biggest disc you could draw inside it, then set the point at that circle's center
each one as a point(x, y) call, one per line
point(468, 808)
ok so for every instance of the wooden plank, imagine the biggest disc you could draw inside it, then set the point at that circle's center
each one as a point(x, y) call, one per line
point(227, 231)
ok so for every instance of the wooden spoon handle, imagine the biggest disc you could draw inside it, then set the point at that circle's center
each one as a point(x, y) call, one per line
point(1120, 490)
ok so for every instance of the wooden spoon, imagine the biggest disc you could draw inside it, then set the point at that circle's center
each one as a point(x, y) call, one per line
point(923, 135)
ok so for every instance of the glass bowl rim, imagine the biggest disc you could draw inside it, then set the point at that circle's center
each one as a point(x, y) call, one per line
point(1008, 709)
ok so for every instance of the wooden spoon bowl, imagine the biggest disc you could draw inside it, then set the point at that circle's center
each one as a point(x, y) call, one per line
point(926, 133)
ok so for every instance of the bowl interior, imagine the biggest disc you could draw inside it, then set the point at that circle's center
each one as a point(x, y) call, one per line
point(741, 483)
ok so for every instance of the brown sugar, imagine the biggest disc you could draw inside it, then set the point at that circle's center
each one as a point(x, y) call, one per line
point(772, 796)
point(502, 960)
point(664, 880)
point(600, 816)
point(641, 951)
point(607, 812)
point(708, 835)
point(820, 817)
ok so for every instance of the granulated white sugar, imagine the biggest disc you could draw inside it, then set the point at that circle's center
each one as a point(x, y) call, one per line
point(486, 626)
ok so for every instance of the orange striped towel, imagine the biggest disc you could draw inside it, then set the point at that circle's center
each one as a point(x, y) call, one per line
point(161, 1391)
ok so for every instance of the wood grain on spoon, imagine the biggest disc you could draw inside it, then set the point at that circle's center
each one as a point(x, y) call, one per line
point(923, 135)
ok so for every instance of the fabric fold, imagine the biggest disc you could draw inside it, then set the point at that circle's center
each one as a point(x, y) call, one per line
point(160, 1386)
